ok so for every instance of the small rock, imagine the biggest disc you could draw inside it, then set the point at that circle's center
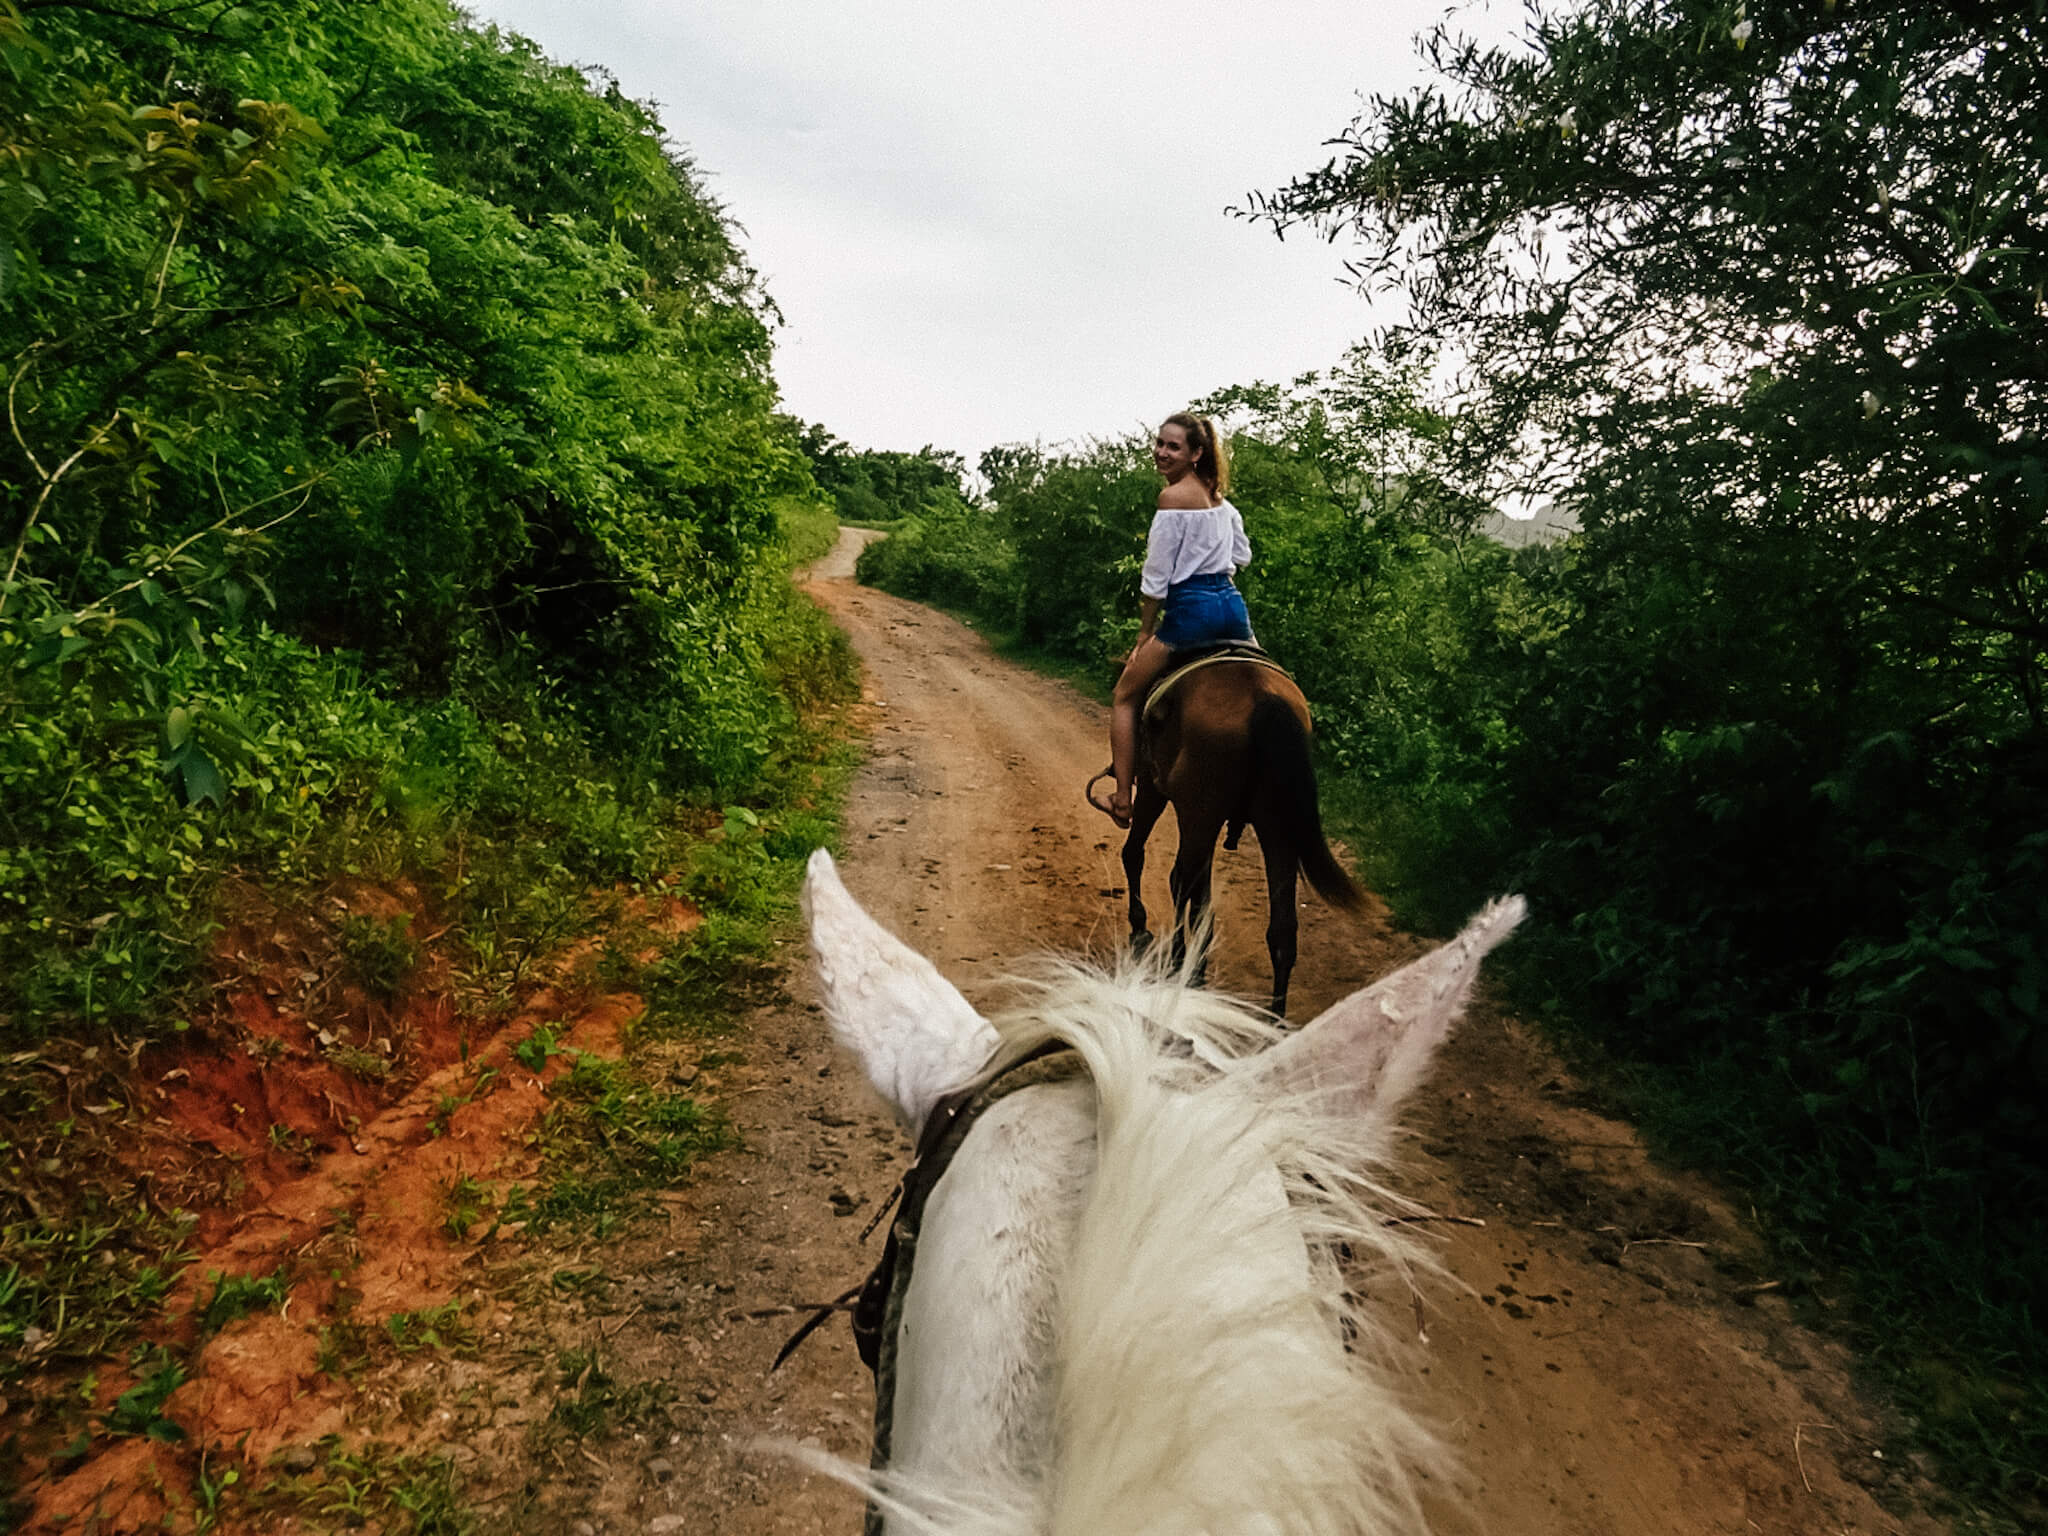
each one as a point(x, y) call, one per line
point(707, 1394)
point(668, 1525)
point(583, 1528)
point(661, 1469)
point(299, 1459)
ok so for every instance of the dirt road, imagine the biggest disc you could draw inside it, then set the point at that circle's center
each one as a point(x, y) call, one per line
point(1610, 1362)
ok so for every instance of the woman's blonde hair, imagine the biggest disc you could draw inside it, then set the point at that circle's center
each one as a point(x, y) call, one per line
point(1212, 458)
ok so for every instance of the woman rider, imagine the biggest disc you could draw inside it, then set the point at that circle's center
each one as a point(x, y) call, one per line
point(1197, 541)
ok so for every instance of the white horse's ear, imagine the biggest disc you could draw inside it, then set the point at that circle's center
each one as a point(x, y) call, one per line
point(916, 1036)
point(1367, 1052)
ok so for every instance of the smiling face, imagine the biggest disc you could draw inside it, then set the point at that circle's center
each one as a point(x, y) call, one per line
point(1172, 454)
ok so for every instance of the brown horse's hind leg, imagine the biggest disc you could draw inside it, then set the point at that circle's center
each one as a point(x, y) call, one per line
point(1150, 805)
point(1282, 920)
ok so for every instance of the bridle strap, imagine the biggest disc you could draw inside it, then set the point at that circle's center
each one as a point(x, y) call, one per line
point(878, 1311)
point(944, 1128)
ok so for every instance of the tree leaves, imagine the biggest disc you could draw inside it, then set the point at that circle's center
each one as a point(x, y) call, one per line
point(1759, 298)
point(353, 333)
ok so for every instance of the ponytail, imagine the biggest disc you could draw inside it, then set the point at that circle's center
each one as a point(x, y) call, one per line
point(1212, 454)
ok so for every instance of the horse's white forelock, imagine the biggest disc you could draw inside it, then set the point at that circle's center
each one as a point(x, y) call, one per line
point(1203, 1383)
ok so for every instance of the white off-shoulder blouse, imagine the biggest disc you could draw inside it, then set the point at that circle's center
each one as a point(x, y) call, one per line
point(1192, 541)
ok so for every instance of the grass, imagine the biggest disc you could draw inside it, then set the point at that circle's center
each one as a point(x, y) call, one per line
point(372, 1484)
point(593, 1403)
point(611, 1137)
point(345, 1348)
point(236, 1296)
point(533, 1052)
point(75, 1286)
point(809, 530)
point(444, 1327)
point(139, 1410)
point(465, 1202)
point(580, 1282)
point(349, 1347)
point(448, 1104)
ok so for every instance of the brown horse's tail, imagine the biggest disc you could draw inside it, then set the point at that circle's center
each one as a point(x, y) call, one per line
point(1287, 786)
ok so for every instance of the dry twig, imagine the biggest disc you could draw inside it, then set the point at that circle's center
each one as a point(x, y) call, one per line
point(1797, 1430)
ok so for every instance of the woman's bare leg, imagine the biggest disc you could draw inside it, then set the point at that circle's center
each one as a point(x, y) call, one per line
point(1146, 663)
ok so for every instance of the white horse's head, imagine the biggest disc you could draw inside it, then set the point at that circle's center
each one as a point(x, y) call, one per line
point(1128, 1311)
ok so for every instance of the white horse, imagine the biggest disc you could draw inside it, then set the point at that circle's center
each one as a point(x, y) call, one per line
point(1128, 1315)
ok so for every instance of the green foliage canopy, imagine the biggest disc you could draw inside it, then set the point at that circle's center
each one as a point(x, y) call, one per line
point(879, 485)
point(1759, 296)
point(356, 332)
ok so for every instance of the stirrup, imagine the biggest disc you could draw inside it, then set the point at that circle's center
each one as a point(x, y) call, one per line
point(1108, 808)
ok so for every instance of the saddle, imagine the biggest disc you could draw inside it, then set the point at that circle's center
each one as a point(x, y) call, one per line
point(1205, 656)
point(1161, 693)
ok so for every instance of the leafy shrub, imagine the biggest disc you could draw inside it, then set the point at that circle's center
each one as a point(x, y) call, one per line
point(951, 554)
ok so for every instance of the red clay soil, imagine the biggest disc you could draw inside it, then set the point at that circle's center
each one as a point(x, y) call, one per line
point(302, 1157)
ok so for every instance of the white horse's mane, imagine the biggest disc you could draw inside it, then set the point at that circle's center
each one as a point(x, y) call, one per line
point(1234, 1322)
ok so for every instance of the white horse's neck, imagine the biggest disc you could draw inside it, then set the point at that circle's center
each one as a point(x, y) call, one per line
point(974, 1364)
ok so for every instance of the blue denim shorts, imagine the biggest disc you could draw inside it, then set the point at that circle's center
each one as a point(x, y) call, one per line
point(1202, 611)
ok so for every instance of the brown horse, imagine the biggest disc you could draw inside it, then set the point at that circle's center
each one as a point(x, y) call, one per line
point(1228, 746)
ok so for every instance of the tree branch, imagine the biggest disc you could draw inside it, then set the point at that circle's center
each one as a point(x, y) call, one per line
point(42, 497)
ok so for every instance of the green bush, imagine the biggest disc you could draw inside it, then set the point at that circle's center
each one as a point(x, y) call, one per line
point(951, 554)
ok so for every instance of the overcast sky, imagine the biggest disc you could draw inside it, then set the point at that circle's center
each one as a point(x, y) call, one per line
point(1001, 223)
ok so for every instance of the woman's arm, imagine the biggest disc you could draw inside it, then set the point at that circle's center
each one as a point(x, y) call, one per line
point(1240, 546)
point(1148, 617)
